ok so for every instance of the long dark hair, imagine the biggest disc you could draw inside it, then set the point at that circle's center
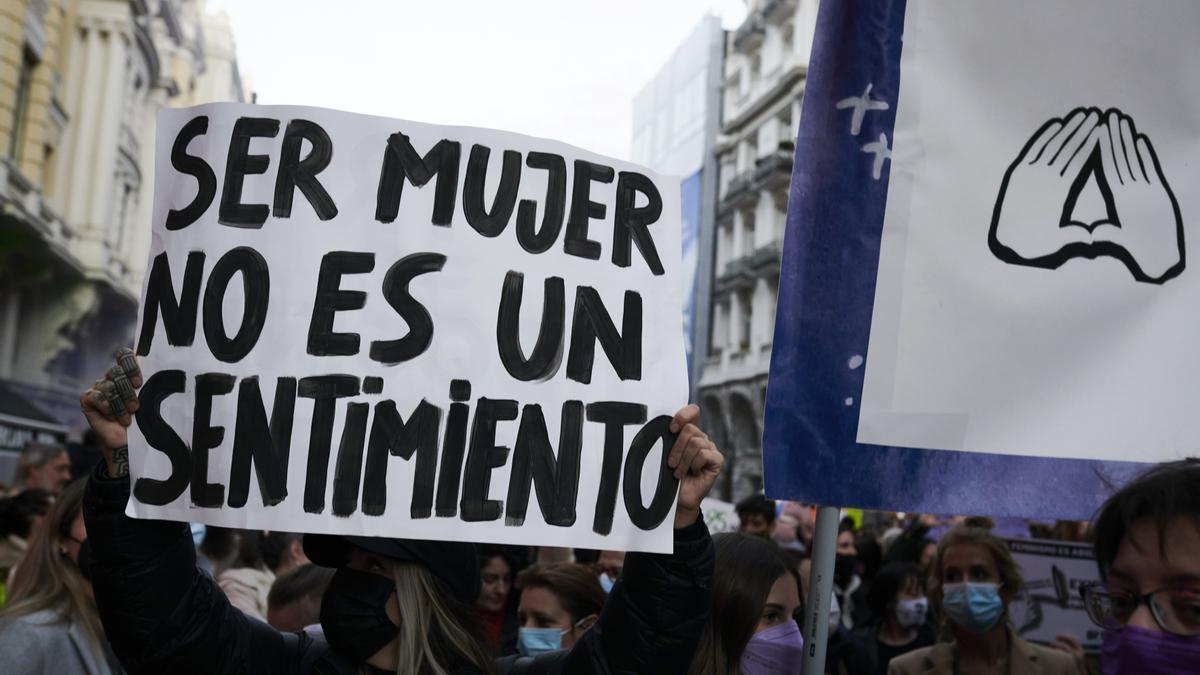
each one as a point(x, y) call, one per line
point(892, 578)
point(747, 567)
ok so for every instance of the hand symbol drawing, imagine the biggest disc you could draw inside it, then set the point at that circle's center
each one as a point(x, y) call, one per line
point(1033, 222)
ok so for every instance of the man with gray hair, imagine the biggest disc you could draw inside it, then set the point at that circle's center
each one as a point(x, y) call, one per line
point(43, 465)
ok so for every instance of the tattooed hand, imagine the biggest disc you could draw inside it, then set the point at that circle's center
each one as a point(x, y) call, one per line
point(109, 406)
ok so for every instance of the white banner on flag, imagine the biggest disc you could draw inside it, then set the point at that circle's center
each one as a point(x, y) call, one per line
point(1033, 296)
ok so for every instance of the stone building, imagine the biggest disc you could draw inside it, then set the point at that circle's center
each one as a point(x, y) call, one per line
point(81, 82)
point(766, 63)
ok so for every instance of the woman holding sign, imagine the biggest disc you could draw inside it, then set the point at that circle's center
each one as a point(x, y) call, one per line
point(393, 605)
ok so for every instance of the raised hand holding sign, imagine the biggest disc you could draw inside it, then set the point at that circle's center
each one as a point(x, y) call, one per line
point(1035, 222)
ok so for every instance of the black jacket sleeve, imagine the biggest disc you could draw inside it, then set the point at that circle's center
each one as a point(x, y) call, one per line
point(160, 612)
point(653, 619)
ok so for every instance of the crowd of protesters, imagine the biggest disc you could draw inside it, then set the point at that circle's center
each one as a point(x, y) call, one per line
point(911, 594)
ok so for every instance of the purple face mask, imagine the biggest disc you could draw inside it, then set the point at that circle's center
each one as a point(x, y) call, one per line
point(1148, 652)
point(778, 649)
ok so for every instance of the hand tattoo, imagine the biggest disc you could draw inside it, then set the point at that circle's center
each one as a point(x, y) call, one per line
point(120, 462)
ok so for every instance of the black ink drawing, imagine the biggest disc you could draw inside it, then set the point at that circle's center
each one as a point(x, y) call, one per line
point(1084, 186)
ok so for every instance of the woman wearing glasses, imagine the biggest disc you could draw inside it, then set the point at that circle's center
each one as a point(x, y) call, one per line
point(973, 579)
point(1148, 548)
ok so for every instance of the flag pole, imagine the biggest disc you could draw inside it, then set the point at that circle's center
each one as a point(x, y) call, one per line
point(820, 589)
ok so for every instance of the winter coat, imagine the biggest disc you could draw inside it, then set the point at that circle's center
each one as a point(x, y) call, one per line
point(45, 642)
point(162, 615)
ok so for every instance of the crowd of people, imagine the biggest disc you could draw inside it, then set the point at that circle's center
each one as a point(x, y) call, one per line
point(89, 590)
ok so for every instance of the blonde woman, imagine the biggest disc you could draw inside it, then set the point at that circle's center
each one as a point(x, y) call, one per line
point(974, 579)
point(50, 624)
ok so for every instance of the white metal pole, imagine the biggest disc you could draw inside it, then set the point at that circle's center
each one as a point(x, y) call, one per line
point(820, 590)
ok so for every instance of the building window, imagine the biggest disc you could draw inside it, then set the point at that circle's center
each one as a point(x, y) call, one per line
point(21, 104)
point(746, 324)
point(748, 233)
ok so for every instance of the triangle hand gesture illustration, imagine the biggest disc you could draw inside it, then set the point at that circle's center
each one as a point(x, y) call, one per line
point(1088, 186)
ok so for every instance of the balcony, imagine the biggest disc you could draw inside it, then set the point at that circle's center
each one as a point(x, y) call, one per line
point(749, 36)
point(773, 170)
point(739, 193)
point(737, 275)
point(764, 261)
point(775, 11)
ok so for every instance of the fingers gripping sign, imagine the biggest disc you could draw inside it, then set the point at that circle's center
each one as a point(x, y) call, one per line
point(109, 405)
point(696, 463)
point(1035, 221)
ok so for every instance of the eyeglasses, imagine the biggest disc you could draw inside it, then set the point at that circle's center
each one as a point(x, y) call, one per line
point(1175, 610)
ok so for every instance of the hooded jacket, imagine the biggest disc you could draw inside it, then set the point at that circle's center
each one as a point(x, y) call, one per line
point(161, 614)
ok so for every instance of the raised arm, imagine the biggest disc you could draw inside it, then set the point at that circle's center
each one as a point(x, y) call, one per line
point(654, 618)
point(160, 612)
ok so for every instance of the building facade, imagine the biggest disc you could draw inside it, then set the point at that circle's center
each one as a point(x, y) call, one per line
point(81, 82)
point(766, 63)
point(676, 119)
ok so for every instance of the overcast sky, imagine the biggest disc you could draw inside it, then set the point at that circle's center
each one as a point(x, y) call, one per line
point(562, 69)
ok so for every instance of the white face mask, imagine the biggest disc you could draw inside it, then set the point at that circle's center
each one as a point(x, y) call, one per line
point(911, 613)
point(835, 614)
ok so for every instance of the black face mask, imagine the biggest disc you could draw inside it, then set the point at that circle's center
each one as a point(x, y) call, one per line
point(843, 569)
point(353, 617)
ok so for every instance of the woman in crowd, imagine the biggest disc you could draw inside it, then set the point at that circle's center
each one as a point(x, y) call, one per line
point(393, 605)
point(756, 595)
point(559, 603)
point(50, 624)
point(898, 603)
point(1147, 539)
point(496, 572)
point(974, 579)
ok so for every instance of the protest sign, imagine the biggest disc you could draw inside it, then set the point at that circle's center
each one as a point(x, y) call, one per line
point(360, 325)
point(956, 334)
point(1050, 603)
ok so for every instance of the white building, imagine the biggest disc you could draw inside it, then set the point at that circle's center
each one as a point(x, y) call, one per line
point(676, 118)
point(766, 63)
point(76, 184)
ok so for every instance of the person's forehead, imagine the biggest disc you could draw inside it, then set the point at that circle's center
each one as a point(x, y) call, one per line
point(967, 555)
point(496, 565)
point(784, 591)
point(1139, 557)
point(540, 599)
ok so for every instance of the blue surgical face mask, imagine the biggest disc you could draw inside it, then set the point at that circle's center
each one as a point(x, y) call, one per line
point(198, 532)
point(534, 641)
point(607, 583)
point(911, 613)
point(974, 606)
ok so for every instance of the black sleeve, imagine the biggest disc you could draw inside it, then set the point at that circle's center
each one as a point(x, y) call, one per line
point(159, 611)
point(656, 613)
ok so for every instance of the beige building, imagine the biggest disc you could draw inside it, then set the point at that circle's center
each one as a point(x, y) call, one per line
point(80, 84)
point(766, 63)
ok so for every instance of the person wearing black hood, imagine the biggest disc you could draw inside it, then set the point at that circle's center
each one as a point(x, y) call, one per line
point(393, 605)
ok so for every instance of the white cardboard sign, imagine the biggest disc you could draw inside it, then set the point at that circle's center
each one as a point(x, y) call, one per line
point(1050, 603)
point(361, 325)
point(1035, 296)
